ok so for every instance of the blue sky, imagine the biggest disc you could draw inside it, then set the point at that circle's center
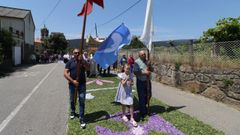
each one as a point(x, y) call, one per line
point(173, 19)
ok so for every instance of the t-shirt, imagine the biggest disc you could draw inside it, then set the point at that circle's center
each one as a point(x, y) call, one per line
point(72, 66)
point(123, 61)
point(139, 65)
point(130, 61)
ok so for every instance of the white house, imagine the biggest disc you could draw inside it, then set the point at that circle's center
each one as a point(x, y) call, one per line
point(20, 23)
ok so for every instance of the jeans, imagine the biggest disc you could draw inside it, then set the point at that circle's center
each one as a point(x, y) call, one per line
point(142, 95)
point(81, 99)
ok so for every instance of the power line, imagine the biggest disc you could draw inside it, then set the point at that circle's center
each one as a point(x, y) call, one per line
point(100, 25)
point(119, 14)
point(50, 13)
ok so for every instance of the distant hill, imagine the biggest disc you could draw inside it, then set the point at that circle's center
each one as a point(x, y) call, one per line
point(174, 42)
point(75, 43)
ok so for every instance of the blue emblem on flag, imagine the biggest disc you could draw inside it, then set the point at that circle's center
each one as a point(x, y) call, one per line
point(107, 53)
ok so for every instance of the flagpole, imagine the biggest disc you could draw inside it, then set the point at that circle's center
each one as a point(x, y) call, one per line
point(83, 28)
point(81, 50)
point(146, 39)
point(148, 54)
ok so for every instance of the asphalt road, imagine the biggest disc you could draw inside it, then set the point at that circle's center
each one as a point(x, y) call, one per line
point(34, 101)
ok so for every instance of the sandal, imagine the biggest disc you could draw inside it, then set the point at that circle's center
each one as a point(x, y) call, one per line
point(134, 123)
point(125, 119)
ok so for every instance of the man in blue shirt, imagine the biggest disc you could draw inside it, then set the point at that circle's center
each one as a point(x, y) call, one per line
point(70, 73)
point(142, 71)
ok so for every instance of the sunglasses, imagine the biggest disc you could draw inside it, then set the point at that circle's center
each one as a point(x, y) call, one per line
point(76, 52)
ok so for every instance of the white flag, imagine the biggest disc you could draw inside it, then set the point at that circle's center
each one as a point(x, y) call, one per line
point(147, 34)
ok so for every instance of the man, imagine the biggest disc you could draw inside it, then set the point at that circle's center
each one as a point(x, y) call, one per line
point(142, 72)
point(70, 73)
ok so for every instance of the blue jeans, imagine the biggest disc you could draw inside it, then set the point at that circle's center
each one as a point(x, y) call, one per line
point(142, 96)
point(81, 98)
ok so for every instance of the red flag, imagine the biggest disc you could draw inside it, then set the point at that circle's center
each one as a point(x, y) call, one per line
point(90, 4)
point(89, 8)
point(98, 2)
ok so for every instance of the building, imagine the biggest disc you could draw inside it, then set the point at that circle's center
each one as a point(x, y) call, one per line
point(91, 44)
point(75, 43)
point(39, 48)
point(94, 42)
point(20, 23)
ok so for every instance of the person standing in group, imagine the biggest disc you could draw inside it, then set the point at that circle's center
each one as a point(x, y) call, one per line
point(124, 94)
point(131, 62)
point(123, 61)
point(93, 66)
point(87, 59)
point(143, 70)
point(66, 58)
point(70, 73)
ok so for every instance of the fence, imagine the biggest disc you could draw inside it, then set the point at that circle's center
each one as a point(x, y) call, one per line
point(220, 54)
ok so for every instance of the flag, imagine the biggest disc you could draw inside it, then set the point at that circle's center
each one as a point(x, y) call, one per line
point(89, 8)
point(107, 53)
point(146, 37)
point(89, 5)
point(98, 2)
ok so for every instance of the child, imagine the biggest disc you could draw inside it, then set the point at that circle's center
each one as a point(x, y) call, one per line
point(124, 94)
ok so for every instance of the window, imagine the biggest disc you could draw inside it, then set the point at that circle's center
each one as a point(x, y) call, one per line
point(22, 34)
point(17, 32)
point(11, 29)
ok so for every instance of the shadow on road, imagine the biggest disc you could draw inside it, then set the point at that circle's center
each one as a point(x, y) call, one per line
point(161, 109)
point(8, 70)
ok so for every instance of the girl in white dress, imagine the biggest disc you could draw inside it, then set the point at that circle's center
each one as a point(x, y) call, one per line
point(124, 94)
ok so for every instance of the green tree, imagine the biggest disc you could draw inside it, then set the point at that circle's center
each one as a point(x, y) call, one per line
point(135, 43)
point(58, 42)
point(6, 43)
point(227, 29)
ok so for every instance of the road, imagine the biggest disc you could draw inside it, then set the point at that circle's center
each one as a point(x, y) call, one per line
point(34, 101)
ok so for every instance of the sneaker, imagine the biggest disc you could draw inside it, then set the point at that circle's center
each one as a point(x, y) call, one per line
point(72, 115)
point(134, 123)
point(82, 124)
point(125, 119)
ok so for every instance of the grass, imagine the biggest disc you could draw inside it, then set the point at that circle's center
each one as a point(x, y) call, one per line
point(199, 60)
point(103, 105)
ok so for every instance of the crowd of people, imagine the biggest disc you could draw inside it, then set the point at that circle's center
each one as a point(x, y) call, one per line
point(129, 67)
point(49, 58)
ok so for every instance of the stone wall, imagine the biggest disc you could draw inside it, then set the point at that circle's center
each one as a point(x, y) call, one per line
point(218, 84)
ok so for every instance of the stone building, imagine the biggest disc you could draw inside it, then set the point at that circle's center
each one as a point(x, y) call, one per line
point(20, 23)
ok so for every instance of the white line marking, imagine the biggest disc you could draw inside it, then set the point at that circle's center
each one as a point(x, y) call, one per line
point(15, 111)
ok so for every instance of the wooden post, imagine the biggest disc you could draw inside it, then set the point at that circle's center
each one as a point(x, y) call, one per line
point(81, 51)
point(148, 81)
point(190, 50)
point(148, 55)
